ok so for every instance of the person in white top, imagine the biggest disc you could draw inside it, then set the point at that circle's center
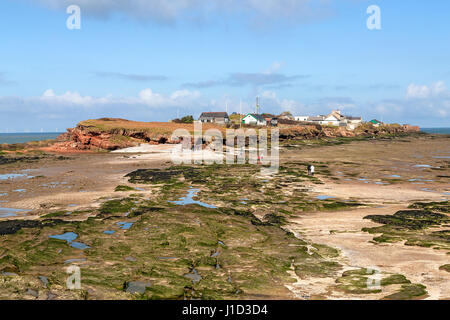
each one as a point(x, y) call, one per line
point(310, 170)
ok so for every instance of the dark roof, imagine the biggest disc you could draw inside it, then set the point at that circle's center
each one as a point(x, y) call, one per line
point(318, 118)
point(214, 115)
point(353, 118)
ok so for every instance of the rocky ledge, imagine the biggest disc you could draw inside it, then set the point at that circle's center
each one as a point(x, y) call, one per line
point(113, 134)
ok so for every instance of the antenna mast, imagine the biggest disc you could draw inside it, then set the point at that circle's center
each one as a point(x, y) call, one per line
point(257, 105)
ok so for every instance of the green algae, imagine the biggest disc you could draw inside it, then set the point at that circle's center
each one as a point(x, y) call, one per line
point(117, 206)
point(417, 226)
point(408, 292)
point(362, 281)
point(124, 188)
point(445, 267)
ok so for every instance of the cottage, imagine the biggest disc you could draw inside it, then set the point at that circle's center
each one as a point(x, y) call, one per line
point(375, 122)
point(271, 120)
point(254, 119)
point(301, 118)
point(335, 118)
point(216, 117)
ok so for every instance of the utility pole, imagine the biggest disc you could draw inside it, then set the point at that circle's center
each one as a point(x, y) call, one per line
point(257, 105)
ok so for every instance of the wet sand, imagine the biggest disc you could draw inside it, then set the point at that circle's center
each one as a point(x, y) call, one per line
point(389, 175)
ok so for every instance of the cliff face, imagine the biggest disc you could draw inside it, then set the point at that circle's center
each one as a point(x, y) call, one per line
point(114, 134)
point(84, 138)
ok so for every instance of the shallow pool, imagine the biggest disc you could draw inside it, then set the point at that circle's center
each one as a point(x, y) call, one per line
point(188, 199)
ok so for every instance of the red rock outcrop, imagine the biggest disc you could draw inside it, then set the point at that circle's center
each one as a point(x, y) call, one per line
point(107, 134)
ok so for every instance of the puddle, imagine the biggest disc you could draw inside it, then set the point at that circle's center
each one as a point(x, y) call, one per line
point(221, 243)
point(44, 280)
point(188, 199)
point(3, 194)
point(125, 225)
point(394, 176)
point(442, 157)
point(322, 197)
point(109, 232)
point(422, 166)
point(131, 259)
point(72, 205)
point(79, 245)
point(11, 212)
point(427, 190)
point(194, 276)
point(20, 190)
point(74, 260)
point(139, 189)
point(446, 193)
point(70, 237)
point(137, 287)
point(10, 176)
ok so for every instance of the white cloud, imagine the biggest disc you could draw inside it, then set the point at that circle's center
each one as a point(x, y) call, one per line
point(145, 97)
point(429, 104)
point(64, 110)
point(423, 91)
point(422, 104)
point(169, 11)
point(274, 67)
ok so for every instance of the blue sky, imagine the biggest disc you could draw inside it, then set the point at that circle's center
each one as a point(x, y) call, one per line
point(153, 60)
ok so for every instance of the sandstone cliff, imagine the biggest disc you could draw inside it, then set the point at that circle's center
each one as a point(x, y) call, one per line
point(113, 134)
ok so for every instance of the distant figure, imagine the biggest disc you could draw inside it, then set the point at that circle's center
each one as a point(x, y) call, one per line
point(310, 170)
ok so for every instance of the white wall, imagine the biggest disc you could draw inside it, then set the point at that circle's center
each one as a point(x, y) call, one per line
point(252, 121)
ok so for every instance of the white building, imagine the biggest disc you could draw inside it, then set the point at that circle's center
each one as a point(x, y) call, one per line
point(254, 119)
point(301, 118)
point(335, 118)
